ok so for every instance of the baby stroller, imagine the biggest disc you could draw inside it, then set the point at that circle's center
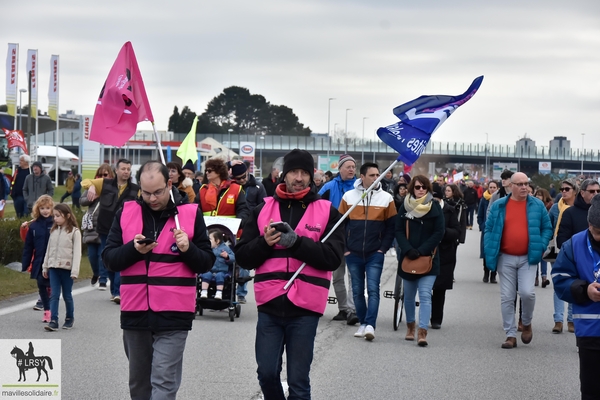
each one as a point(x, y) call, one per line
point(228, 301)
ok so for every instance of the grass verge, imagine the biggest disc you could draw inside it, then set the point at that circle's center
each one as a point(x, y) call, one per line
point(13, 283)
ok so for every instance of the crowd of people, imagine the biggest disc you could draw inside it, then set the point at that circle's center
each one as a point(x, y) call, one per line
point(148, 243)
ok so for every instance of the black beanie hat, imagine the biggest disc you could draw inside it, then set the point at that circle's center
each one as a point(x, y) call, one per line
point(298, 159)
point(189, 165)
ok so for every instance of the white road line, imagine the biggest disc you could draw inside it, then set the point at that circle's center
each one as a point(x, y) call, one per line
point(29, 304)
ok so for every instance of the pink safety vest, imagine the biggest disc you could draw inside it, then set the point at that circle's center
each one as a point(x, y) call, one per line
point(167, 284)
point(311, 288)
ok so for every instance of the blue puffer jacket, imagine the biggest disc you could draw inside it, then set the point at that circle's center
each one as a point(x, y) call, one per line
point(36, 243)
point(335, 189)
point(538, 225)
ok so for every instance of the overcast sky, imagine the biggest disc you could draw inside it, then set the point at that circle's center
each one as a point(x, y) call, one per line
point(540, 58)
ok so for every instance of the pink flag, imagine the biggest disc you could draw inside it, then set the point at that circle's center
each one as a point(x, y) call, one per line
point(122, 102)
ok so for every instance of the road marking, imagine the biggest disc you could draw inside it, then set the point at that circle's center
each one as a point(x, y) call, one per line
point(26, 305)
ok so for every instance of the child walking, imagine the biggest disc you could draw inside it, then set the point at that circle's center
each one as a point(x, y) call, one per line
point(61, 263)
point(34, 250)
point(225, 257)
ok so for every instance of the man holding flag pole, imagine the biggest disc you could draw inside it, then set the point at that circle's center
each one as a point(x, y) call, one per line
point(157, 303)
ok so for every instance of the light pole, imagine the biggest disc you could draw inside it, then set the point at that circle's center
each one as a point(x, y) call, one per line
point(21, 91)
point(328, 127)
point(229, 144)
point(362, 156)
point(582, 152)
point(335, 130)
point(487, 168)
point(346, 133)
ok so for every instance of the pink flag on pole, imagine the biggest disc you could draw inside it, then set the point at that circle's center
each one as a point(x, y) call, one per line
point(122, 102)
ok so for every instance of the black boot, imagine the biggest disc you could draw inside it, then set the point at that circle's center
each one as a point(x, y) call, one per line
point(486, 275)
point(493, 278)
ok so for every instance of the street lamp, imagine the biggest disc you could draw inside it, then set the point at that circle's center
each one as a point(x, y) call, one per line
point(346, 133)
point(21, 91)
point(487, 168)
point(362, 157)
point(334, 131)
point(328, 126)
point(229, 144)
point(582, 152)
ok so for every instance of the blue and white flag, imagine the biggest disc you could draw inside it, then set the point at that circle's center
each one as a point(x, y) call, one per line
point(419, 118)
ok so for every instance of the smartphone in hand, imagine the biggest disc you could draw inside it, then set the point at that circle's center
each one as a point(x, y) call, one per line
point(146, 241)
point(279, 226)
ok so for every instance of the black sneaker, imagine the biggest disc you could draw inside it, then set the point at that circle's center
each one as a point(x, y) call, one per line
point(39, 306)
point(94, 279)
point(52, 326)
point(102, 286)
point(352, 318)
point(341, 316)
point(68, 323)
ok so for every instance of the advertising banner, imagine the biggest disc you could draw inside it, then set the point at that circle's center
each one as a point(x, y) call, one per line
point(90, 153)
point(328, 164)
point(545, 167)
point(12, 75)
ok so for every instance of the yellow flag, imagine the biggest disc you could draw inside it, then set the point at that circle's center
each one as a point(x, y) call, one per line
point(187, 150)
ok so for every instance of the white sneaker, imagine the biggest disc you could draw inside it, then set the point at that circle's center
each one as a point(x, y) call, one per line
point(369, 333)
point(204, 294)
point(218, 295)
point(360, 333)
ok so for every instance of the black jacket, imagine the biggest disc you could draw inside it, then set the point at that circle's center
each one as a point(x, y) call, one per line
point(255, 192)
point(447, 248)
point(574, 220)
point(425, 234)
point(110, 202)
point(470, 196)
point(118, 256)
point(252, 250)
point(270, 185)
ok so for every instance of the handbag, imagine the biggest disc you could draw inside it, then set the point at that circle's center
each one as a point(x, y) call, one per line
point(421, 265)
point(551, 252)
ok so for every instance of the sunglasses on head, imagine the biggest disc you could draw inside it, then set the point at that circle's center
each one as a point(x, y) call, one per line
point(564, 189)
point(419, 187)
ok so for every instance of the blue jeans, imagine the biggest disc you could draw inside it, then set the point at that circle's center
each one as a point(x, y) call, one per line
point(20, 206)
point(297, 335)
point(559, 310)
point(424, 285)
point(115, 277)
point(544, 268)
point(219, 277)
point(371, 267)
point(60, 279)
point(242, 290)
point(95, 257)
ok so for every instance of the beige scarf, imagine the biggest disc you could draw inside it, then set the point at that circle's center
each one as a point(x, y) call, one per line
point(416, 208)
point(562, 206)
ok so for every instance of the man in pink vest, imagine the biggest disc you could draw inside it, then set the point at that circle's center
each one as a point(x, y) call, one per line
point(158, 265)
point(279, 235)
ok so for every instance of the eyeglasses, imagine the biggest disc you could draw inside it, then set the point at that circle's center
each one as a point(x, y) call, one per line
point(593, 191)
point(419, 187)
point(564, 189)
point(156, 194)
point(105, 175)
point(240, 178)
point(521, 184)
point(208, 170)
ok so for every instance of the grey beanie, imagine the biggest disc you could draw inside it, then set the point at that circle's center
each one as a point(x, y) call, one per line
point(594, 212)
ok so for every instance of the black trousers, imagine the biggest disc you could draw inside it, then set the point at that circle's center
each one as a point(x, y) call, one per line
point(589, 370)
point(438, 298)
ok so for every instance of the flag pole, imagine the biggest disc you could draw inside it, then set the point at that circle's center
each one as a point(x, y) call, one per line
point(162, 158)
point(373, 185)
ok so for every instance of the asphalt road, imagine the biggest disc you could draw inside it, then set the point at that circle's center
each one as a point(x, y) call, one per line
point(463, 360)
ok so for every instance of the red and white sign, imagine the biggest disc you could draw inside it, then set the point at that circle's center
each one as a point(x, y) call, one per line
point(15, 139)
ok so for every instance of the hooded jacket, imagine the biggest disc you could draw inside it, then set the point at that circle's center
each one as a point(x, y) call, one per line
point(370, 226)
point(252, 250)
point(35, 186)
point(255, 192)
point(36, 244)
point(335, 189)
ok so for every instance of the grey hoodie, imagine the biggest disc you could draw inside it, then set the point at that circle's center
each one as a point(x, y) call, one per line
point(35, 186)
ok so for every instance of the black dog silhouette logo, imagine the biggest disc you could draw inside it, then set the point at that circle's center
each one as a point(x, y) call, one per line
point(27, 361)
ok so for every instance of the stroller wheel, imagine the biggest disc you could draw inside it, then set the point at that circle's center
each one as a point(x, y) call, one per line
point(231, 314)
point(238, 310)
point(200, 310)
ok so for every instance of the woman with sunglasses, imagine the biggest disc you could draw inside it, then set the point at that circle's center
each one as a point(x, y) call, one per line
point(569, 191)
point(88, 228)
point(420, 227)
point(181, 182)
